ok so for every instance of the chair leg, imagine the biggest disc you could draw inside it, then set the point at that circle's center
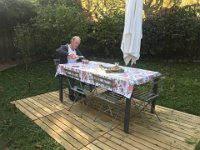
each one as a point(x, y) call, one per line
point(97, 114)
point(71, 105)
point(76, 97)
point(109, 109)
point(115, 118)
point(85, 108)
point(145, 106)
point(149, 103)
point(157, 116)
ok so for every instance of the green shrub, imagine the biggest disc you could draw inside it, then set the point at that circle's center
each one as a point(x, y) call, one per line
point(12, 12)
point(174, 35)
point(24, 42)
point(57, 23)
point(104, 38)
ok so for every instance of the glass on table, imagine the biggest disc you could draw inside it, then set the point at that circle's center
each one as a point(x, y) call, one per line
point(116, 63)
point(85, 61)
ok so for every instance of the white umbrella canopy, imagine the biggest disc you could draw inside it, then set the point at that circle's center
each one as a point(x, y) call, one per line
point(132, 34)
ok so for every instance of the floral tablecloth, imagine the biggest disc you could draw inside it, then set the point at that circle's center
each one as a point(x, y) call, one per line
point(124, 82)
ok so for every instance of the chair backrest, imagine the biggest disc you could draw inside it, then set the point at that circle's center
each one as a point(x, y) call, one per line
point(106, 90)
point(73, 75)
point(158, 81)
point(106, 83)
point(56, 62)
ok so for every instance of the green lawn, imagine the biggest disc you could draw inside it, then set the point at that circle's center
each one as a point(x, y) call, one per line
point(181, 92)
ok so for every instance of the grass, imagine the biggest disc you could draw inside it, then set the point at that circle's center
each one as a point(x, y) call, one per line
point(181, 92)
point(16, 130)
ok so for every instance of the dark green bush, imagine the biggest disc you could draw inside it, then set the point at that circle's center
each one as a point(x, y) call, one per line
point(57, 24)
point(104, 38)
point(175, 35)
point(24, 42)
point(12, 12)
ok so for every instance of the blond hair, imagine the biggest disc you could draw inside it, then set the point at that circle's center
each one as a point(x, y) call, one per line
point(75, 37)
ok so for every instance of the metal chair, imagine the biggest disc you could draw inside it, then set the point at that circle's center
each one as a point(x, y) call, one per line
point(77, 87)
point(56, 62)
point(146, 97)
point(109, 99)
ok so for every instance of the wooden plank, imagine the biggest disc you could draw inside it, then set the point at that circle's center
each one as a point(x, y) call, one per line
point(145, 141)
point(157, 144)
point(171, 114)
point(59, 106)
point(104, 120)
point(84, 148)
point(127, 139)
point(68, 128)
point(111, 143)
point(56, 97)
point(38, 109)
point(54, 103)
point(54, 135)
point(82, 121)
point(62, 133)
point(66, 99)
point(167, 131)
point(83, 140)
point(43, 107)
point(188, 123)
point(30, 109)
point(161, 137)
point(86, 120)
point(123, 142)
point(179, 114)
point(102, 145)
point(119, 140)
point(52, 99)
point(66, 102)
point(75, 128)
point(107, 125)
point(25, 111)
point(92, 147)
point(172, 126)
point(80, 125)
point(46, 103)
point(56, 94)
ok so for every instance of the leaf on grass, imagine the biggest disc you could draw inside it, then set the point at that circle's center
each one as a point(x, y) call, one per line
point(5, 148)
point(173, 88)
point(192, 141)
point(38, 146)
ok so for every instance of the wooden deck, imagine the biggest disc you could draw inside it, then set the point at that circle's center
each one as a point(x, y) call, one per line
point(177, 130)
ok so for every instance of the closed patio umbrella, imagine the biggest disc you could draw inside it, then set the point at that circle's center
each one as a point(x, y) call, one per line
point(132, 34)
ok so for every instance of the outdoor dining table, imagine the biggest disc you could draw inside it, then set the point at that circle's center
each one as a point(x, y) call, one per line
point(124, 82)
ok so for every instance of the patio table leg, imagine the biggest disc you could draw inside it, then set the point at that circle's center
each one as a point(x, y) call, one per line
point(155, 90)
point(127, 115)
point(61, 87)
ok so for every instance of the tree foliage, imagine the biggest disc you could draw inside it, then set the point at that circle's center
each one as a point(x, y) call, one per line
point(170, 30)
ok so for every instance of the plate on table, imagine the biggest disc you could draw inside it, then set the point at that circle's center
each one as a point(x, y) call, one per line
point(112, 69)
